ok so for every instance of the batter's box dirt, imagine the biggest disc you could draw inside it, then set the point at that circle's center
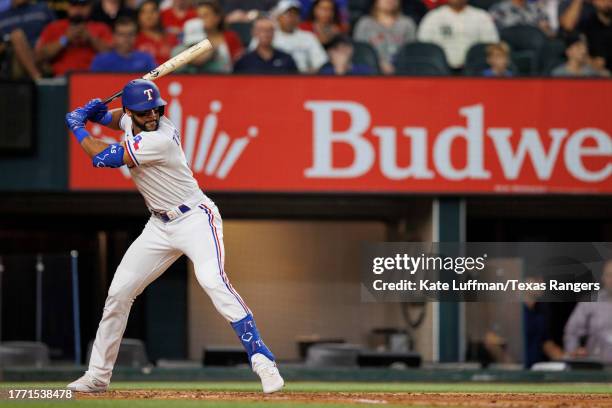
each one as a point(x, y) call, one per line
point(545, 400)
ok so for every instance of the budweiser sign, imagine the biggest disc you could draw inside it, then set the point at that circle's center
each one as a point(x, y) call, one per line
point(377, 134)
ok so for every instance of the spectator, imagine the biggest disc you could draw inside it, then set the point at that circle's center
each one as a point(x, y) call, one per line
point(324, 21)
point(302, 45)
point(341, 5)
point(509, 13)
point(193, 33)
point(20, 27)
point(31, 18)
point(228, 47)
point(588, 332)
point(108, 11)
point(598, 31)
point(71, 44)
point(174, 18)
point(456, 27)
point(123, 57)
point(151, 36)
point(573, 13)
point(340, 51)
point(577, 64)
point(265, 59)
point(498, 58)
point(387, 30)
point(244, 11)
point(16, 43)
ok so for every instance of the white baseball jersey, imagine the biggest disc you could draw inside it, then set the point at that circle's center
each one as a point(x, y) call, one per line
point(161, 173)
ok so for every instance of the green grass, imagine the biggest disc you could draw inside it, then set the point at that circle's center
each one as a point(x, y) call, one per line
point(575, 388)
point(314, 387)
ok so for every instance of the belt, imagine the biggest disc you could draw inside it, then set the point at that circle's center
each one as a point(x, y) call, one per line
point(172, 214)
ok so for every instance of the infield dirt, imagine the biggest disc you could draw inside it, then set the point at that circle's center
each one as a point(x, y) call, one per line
point(547, 400)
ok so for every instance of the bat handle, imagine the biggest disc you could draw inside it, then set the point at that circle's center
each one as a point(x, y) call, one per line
point(112, 98)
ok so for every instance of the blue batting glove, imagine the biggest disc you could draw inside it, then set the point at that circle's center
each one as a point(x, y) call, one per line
point(97, 112)
point(75, 121)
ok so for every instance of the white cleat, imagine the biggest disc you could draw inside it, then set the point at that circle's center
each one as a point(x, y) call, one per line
point(87, 384)
point(271, 380)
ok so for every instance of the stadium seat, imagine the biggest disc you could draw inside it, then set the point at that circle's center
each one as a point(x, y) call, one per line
point(243, 30)
point(24, 353)
point(421, 59)
point(132, 353)
point(476, 61)
point(356, 9)
point(552, 55)
point(333, 355)
point(526, 43)
point(365, 54)
point(415, 9)
point(483, 4)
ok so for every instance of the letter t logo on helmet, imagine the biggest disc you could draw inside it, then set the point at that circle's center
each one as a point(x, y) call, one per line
point(141, 95)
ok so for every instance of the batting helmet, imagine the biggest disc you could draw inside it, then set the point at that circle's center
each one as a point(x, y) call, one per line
point(141, 95)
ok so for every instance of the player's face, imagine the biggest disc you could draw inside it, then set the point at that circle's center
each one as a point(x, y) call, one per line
point(147, 121)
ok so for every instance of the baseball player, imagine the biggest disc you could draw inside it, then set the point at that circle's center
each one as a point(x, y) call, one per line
point(183, 221)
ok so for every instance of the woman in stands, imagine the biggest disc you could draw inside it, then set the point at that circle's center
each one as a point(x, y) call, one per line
point(151, 36)
point(228, 47)
point(387, 30)
point(324, 21)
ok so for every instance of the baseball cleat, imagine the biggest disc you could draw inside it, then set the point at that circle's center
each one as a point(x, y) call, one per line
point(271, 380)
point(87, 384)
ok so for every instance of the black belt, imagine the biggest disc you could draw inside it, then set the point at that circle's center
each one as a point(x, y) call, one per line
point(172, 214)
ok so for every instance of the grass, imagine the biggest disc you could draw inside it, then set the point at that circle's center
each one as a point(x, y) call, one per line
point(574, 388)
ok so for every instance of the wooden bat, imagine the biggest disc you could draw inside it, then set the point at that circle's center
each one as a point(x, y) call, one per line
point(172, 64)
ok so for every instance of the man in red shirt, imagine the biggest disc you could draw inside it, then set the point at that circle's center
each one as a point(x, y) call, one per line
point(70, 44)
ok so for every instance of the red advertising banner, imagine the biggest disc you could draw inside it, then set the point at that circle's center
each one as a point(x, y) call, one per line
point(387, 134)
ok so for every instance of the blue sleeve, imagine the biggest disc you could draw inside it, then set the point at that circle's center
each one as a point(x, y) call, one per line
point(112, 157)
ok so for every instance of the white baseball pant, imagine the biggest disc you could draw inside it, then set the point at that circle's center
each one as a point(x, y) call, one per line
point(199, 235)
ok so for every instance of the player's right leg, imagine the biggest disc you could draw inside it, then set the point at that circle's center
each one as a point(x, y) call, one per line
point(145, 260)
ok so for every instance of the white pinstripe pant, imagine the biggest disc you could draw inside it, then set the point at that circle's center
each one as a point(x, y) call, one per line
point(197, 234)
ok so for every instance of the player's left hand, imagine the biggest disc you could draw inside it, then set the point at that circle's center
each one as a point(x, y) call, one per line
point(96, 110)
point(76, 119)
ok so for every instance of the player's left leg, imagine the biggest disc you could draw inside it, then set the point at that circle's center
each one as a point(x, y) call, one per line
point(200, 237)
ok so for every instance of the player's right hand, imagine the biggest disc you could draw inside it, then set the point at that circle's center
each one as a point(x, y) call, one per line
point(76, 119)
point(95, 110)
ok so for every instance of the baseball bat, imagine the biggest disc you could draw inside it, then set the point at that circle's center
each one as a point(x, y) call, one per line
point(172, 64)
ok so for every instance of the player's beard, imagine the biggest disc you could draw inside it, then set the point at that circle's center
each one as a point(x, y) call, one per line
point(147, 125)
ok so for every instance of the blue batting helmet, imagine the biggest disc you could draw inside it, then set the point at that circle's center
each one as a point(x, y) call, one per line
point(141, 95)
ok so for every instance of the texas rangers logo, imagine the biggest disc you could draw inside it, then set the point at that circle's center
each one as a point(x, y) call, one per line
point(148, 92)
point(136, 142)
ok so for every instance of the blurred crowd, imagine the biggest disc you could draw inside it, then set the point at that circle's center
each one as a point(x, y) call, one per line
point(49, 38)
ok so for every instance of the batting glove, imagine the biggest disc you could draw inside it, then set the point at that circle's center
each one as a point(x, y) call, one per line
point(97, 112)
point(75, 121)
